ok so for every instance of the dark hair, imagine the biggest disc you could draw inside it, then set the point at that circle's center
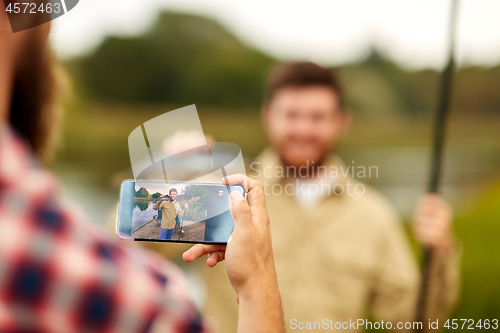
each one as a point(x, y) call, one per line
point(164, 198)
point(302, 74)
point(33, 111)
point(172, 190)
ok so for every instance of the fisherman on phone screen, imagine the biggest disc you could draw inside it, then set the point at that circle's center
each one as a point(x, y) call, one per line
point(168, 216)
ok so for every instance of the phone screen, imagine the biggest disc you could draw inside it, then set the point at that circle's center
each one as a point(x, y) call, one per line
point(183, 212)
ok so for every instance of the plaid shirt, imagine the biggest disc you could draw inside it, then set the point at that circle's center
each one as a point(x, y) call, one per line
point(59, 273)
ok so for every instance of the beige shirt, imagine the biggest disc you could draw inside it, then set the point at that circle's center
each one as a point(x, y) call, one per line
point(168, 213)
point(346, 259)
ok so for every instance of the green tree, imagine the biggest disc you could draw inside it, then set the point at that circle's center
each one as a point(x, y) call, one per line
point(182, 59)
point(142, 193)
point(196, 196)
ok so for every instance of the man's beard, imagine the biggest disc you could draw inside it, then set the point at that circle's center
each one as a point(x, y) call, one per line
point(308, 166)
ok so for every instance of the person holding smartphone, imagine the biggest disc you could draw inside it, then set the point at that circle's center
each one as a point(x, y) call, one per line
point(59, 273)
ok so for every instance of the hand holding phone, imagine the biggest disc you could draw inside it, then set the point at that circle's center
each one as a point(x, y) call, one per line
point(248, 253)
point(249, 259)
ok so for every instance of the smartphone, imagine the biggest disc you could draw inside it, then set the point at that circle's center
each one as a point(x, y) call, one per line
point(178, 212)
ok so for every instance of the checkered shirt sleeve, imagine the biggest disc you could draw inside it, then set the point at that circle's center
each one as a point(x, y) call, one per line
point(60, 273)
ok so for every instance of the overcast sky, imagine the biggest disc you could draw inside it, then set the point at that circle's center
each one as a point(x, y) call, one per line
point(412, 32)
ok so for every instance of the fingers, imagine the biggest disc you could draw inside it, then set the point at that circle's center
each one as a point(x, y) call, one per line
point(432, 201)
point(238, 179)
point(433, 237)
point(240, 210)
point(433, 218)
point(433, 206)
point(251, 211)
point(433, 210)
point(431, 231)
point(215, 257)
point(432, 221)
point(235, 198)
point(250, 185)
point(199, 250)
point(255, 191)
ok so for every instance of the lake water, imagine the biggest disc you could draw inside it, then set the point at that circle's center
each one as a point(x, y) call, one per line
point(143, 213)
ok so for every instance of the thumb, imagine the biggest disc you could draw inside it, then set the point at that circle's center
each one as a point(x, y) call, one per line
point(240, 210)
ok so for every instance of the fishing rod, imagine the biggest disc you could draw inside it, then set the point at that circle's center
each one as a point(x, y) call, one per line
point(437, 152)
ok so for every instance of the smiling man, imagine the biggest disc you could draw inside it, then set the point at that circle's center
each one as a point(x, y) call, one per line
point(341, 255)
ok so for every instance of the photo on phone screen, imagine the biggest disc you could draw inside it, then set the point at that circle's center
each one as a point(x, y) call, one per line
point(175, 211)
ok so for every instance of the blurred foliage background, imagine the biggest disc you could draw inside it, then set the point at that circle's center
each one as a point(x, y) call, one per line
point(185, 59)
